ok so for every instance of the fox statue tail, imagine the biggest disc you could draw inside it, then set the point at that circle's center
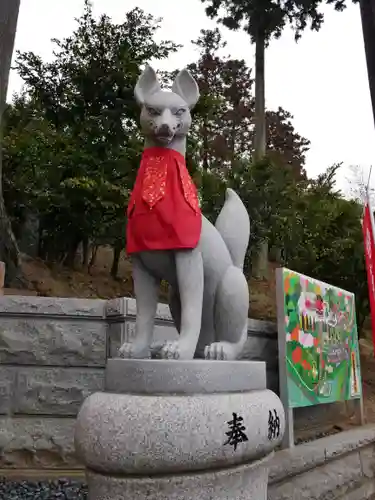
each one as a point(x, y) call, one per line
point(233, 224)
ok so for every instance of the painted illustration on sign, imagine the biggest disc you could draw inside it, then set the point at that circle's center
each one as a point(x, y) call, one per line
point(322, 354)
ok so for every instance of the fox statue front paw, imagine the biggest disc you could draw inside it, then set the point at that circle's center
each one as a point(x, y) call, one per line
point(130, 350)
point(174, 349)
point(220, 351)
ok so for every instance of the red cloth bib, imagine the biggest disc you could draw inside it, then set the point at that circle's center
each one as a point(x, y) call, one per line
point(163, 211)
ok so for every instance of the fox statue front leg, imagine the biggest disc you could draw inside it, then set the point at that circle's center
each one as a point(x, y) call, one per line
point(146, 288)
point(190, 281)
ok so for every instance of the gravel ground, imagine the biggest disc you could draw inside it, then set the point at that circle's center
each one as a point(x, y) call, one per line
point(46, 490)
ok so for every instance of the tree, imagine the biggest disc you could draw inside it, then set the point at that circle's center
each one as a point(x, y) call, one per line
point(221, 142)
point(269, 194)
point(207, 72)
point(9, 252)
point(81, 107)
point(223, 125)
point(358, 183)
point(262, 20)
point(72, 146)
point(319, 230)
point(285, 147)
point(328, 243)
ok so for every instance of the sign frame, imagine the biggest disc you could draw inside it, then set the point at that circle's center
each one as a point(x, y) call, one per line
point(288, 439)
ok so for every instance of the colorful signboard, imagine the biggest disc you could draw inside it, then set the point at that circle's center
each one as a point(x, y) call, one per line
point(317, 323)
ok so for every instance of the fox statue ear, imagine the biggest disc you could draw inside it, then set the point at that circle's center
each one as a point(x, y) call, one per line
point(186, 87)
point(147, 84)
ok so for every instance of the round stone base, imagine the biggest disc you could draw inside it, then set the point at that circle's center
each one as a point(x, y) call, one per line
point(142, 435)
point(174, 430)
point(245, 482)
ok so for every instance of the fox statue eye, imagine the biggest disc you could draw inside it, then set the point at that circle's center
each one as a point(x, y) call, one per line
point(180, 112)
point(152, 111)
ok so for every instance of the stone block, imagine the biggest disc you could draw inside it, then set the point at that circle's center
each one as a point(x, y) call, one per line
point(124, 332)
point(272, 380)
point(162, 312)
point(37, 443)
point(257, 327)
point(116, 307)
point(298, 460)
point(55, 391)
point(7, 389)
point(345, 442)
point(51, 306)
point(329, 481)
point(48, 341)
point(367, 456)
point(131, 307)
point(127, 308)
point(258, 348)
point(262, 328)
point(301, 458)
point(115, 332)
point(360, 492)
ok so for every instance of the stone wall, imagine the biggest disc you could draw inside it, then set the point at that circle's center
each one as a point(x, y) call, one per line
point(336, 467)
point(52, 356)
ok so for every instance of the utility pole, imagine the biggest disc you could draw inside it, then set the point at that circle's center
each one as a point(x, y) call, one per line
point(368, 27)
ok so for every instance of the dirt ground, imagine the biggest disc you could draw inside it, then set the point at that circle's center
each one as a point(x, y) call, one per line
point(56, 281)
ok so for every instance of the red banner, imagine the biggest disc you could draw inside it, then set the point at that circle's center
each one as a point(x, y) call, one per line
point(370, 264)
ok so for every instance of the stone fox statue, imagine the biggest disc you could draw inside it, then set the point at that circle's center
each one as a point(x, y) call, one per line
point(169, 239)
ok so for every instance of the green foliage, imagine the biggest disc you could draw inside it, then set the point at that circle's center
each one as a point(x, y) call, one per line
point(330, 239)
point(318, 230)
point(72, 149)
point(269, 17)
point(72, 144)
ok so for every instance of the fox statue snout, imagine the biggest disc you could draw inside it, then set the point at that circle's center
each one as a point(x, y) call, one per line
point(166, 132)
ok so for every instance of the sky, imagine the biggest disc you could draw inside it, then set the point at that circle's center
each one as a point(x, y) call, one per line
point(321, 80)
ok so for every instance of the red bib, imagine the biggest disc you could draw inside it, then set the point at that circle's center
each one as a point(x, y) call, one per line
point(163, 211)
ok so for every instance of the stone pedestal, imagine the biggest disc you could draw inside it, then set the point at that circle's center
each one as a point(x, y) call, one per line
point(180, 430)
